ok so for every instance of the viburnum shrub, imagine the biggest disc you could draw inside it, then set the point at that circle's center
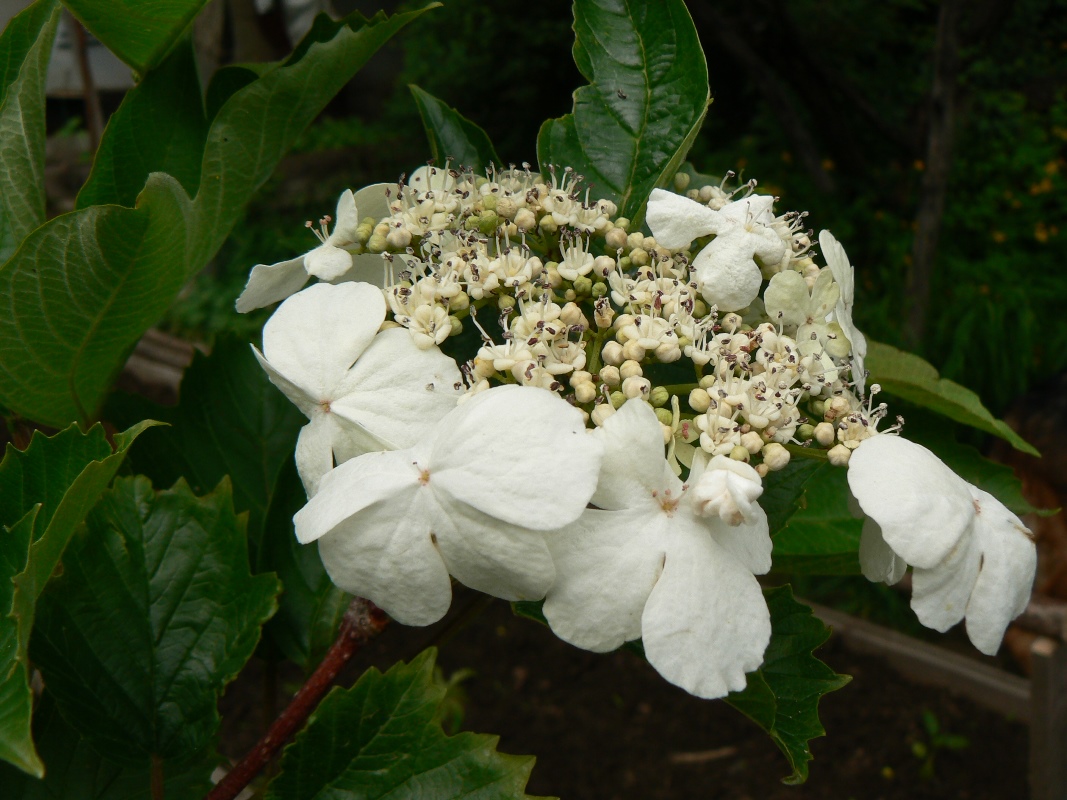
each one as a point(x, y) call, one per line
point(608, 389)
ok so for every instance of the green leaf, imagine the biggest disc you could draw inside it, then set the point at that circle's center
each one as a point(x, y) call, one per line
point(25, 47)
point(79, 292)
point(310, 608)
point(154, 614)
point(783, 489)
point(451, 135)
point(77, 772)
point(45, 492)
point(82, 289)
point(782, 697)
point(821, 536)
point(646, 99)
point(381, 739)
point(140, 32)
point(160, 127)
point(230, 420)
point(911, 378)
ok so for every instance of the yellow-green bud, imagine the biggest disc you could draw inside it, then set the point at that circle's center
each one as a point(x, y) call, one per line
point(548, 225)
point(625, 263)
point(457, 326)
point(700, 309)
point(459, 302)
point(664, 415)
point(489, 223)
point(489, 202)
point(706, 382)
point(659, 397)
point(622, 222)
point(639, 257)
point(377, 243)
point(699, 400)
point(681, 181)
point(582, 286)
point(740, 453)
point(599, 289)
point(505, 302)
point(617, 399)
point(805, 432)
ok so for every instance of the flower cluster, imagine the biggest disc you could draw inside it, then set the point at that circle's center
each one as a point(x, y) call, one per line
point(508, 384)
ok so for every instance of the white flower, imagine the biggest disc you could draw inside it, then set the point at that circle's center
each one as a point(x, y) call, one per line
point(726, 272)
point(470, 499)
point(844, 277)
point(644, 564)
point(729, 490)
point(972, 557)
point(361, 390)
point(330, 261)
point(789, 302)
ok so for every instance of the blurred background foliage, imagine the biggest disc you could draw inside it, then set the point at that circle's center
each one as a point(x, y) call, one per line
point(830, 106)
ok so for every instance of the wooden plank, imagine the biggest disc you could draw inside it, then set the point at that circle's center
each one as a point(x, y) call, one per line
point(1048, 721)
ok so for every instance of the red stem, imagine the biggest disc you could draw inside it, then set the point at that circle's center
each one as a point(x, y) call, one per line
point(363, 621)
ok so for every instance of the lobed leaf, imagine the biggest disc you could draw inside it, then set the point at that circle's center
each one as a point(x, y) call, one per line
point(154, 614)
point(821, 536)
point(45, 492)
point(782, 697)
point(911, 378)
point(140, 32)
point(632, 126)
point(451, 135)
point(382, 738)
point(25, 47)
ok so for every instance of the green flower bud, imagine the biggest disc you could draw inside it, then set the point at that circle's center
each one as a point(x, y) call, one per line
point(805, 432)
point(617, 399)
point(599, 289)
point(459, 302)
point(582, 286)
point(489, 202)
point(489, 223)
point(377, 243)
point(548, 225)
point(457, 326)
point(740, 453)
point(700, 309)
point(663, 414)
point(505, 302)
point(659, 396)
point(681, 181)
point(622, 222)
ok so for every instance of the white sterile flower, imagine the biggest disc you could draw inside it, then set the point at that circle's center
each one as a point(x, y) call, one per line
point(972, 557)
point(789, 302)
point(269, 283)
point(729, 490)
point(644, 564)
point(361, 390)
point(470, 500)
point(844, 276)
point(726, 271)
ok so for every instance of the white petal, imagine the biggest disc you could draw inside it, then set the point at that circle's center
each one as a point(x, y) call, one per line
point(345, 222)
point(675, 221)
point(385, 553)
point(824, 296)
point(706, 623)
point(314, 452)
point(787, 298)
point(396, 391)
point(750, 542)
point(366, 268)
point(606, 565)
point(837, 261)
point(328, 262)
point(269, 283)
point(634, 465)
point(922, 507)
point(940, 594)
point(726, 274)
point(753, 208)
point(372, 201)
point(877, 560)
point(1005, 576)
point(494, 557)
point(315, 336)
point(518, 453)
point(308, 404)
point(353, 486)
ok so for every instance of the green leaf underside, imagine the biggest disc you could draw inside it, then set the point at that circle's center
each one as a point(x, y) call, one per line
point(821, 536)
point(140, 32)
point(381, 739)
point(45, 492)
point(782, 697)
point(81, 289)
point(154, 614)
point(911, 378)
point(77, 772)
point(632, 126)
point(451, 135)
point(25, 47)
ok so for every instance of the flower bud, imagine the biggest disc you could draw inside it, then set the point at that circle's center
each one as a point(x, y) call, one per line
point(699, 400)
point(602, 412)
point(572, 315)
point(639, 257)
point(622, 222)
point(459, 301)
point(548, 225)
point(610, 375)
point(630, 369)
point(582, 286)
point(635, 240)
point(377, 243)
point(615, 239)
point(490, 201)
point(506, 207)
point(632, 351)
point(824, 434)
point(585, 392)
point(617, 399)
point(612, 354)
point(457, 326)
point(505, 302)
point(681, 181)
point(603, 265)
point(525, 219)
point(580, 376)
point(805, 432)
point(665, 419)
point(659, 397)
point(727, 489)
point(775, 456)
point(668, 353)
point(636, 386)
point(740, 453)
point(599, 290)
point(752, 442)
point(839, 455)
point(489, 223)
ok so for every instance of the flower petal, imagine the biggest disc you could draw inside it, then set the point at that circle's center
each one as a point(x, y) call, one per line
point(345, 222)
point(726, 274)
point(327, 441)
point(373, 200)
point(269, 283)
point(606, 565)
point(675, 221)
point(1005, 575)
point(328, 262)
point(787, 298)
point(366, 268)
point(315, 336)
point(385, 553)
point(750, 542)
point(396, 391)
point(352, 487)
point(634, 465)
point(498, 558)
point(940, 594)
point(922, 507)
point(518, 453)
point(706, 623)
point(877, 560)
